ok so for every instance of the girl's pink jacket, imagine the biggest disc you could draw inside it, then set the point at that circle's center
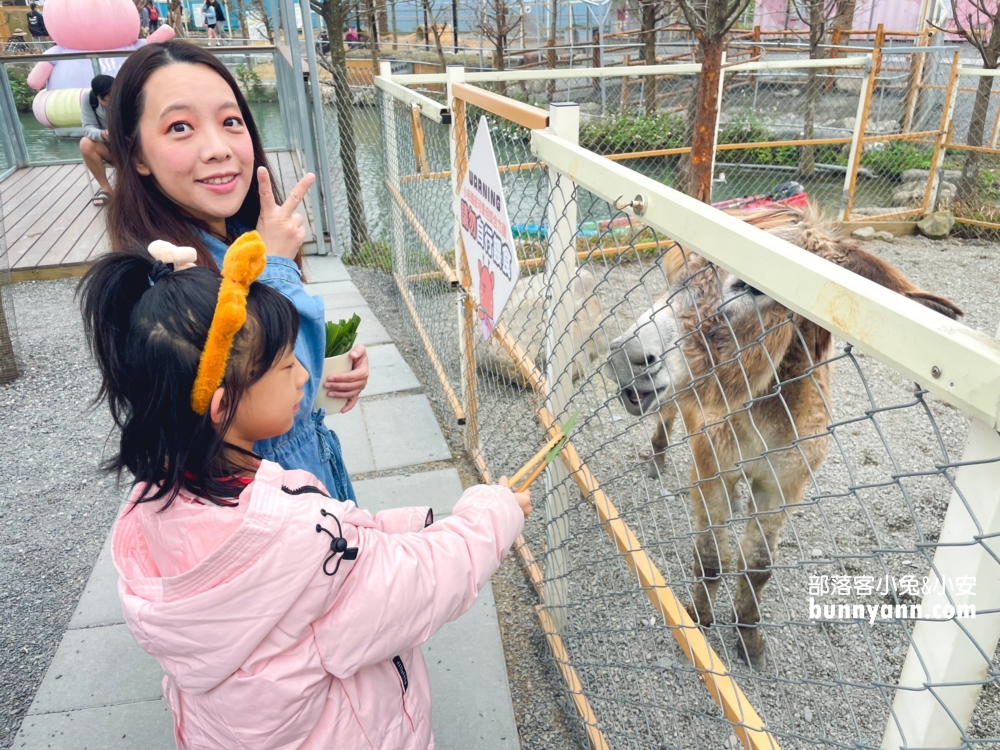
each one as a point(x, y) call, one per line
point(262, 649)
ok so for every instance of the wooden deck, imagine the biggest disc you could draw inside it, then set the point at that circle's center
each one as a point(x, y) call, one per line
point(53, 230)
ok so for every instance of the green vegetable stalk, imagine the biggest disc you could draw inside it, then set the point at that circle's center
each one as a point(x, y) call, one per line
point(340, 336)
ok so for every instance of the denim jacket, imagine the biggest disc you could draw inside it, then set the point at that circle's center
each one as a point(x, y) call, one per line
point(309, 445)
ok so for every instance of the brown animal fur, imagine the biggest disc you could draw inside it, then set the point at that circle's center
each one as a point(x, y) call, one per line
point(739, 357)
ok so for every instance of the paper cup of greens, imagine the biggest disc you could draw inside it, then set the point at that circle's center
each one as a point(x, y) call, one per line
point(340, 339)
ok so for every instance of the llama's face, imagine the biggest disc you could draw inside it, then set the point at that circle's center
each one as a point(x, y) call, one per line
point(645, 361)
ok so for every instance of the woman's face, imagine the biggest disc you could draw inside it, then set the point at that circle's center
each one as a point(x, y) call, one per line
point(194, 142)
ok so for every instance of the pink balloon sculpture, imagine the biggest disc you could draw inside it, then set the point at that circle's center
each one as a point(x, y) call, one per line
point(83, 26)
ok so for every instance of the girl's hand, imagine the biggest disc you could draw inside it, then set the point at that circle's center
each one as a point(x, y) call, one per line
point(523, 498)
point(350, 384)
point(280, 227)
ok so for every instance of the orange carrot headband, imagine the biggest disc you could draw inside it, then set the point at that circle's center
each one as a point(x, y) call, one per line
point(243, 263)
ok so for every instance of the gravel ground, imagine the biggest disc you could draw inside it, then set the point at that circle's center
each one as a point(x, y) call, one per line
point(55, 507)
point(818, 687)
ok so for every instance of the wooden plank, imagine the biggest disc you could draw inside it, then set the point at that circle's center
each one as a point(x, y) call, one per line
point(35, 222)
point(49, 273)
point(27, 187)
point(16, 221)
point(102, 247)
point(37, 240)
point(15, 178)
point(81, 249)
point(62, 247)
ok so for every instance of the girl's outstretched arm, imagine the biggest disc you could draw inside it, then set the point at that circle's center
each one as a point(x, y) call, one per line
point(404, 587)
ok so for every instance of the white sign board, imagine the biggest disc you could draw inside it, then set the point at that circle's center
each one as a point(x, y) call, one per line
point(486, 235)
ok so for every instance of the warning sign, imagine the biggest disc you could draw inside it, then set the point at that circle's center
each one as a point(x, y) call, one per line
point(489, 244)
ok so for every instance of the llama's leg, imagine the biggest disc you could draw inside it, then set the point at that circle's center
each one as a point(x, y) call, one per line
point(710, 504)
point(661, 439)
point(758, 549)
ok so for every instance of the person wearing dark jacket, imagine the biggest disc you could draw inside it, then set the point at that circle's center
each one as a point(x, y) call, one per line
point(36, 25)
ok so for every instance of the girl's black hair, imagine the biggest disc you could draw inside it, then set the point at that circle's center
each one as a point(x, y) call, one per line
point(139, 212)
point(147, 340)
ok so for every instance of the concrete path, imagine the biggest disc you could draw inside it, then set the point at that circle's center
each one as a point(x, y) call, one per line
point(102, 692)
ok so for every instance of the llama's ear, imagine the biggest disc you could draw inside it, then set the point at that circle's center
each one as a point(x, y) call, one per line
point(937, 303)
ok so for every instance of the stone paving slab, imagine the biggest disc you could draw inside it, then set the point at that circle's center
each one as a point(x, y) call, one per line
point(130, 726)
point(404, 432)
point(331, 288)
point(353, 434)
point(97, 667)
point(99, 604)
point(320, 268)
point(438, 489)
point(370, 332)
point(388, 372)
point(472, 707)
point(346, 298)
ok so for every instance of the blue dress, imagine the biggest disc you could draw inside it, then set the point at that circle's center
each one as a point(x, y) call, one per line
point(310, 445)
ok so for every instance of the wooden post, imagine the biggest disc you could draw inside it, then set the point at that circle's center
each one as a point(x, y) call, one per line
point(391, 150)
point(858, 139)
point(626, 61)
point(458, 143)
point(914, 81)
point(560, 269)
point(941, 142)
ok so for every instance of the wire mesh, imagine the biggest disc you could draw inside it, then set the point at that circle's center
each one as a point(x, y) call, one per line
point(8, 325)
point(791, 460)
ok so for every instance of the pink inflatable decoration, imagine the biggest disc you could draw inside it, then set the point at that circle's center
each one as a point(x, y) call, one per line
point(83, 26)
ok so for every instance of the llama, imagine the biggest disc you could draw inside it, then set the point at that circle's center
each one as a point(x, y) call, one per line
point(714, 350)
point(524, 320)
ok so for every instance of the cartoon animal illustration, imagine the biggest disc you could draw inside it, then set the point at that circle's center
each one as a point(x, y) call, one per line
point(716, 350)
point(83, 26)
point(486, 282)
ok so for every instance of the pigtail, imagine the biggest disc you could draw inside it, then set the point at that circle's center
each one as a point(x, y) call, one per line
point(108, 294)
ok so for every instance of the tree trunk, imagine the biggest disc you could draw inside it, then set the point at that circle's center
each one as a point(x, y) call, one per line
point(705, 119)
point(241, 17)
point(174, 18)
point(551, 63)
point(383, 21)
point(374, 34)
point(968, 186)
point(266, 20)
point(500, 9)
point(807, 155)
point(429, 13)
point(392, 5)
point(335, 15)
point(650, 88)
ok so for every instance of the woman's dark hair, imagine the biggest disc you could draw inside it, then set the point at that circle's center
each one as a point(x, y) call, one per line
point(147, 340)
point(139, 212)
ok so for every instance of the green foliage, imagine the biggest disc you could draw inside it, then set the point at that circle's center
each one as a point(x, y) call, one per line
point(23, 93)
point(375, 255)
point(896, 158)
point(250, 83)
point(627, 132)
point(340, 336)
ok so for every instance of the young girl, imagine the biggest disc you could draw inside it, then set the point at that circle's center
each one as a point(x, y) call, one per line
point(192, 171)
point(281, 618)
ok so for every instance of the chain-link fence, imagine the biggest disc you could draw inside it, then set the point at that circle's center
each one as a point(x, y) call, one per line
point(734, 463)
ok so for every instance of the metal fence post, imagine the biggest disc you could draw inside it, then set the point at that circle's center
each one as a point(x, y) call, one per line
point(858, 138)
point(718, 118)
point(319, 131)
point(390, 140)
point(560, 269)
point(305, 121)
point(941, 142)
point(458, 147)
point(948, 659)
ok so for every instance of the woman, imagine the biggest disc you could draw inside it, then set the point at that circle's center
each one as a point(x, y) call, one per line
point(215, 20)
point(193, 172)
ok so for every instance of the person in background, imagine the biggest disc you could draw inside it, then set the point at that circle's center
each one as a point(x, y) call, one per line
point(208, 14)
point(36, 24)
point(143, 19)
point(215, 20)
point(94, 144)
point(154, 17)
point(17, 44)
point(351, 37)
